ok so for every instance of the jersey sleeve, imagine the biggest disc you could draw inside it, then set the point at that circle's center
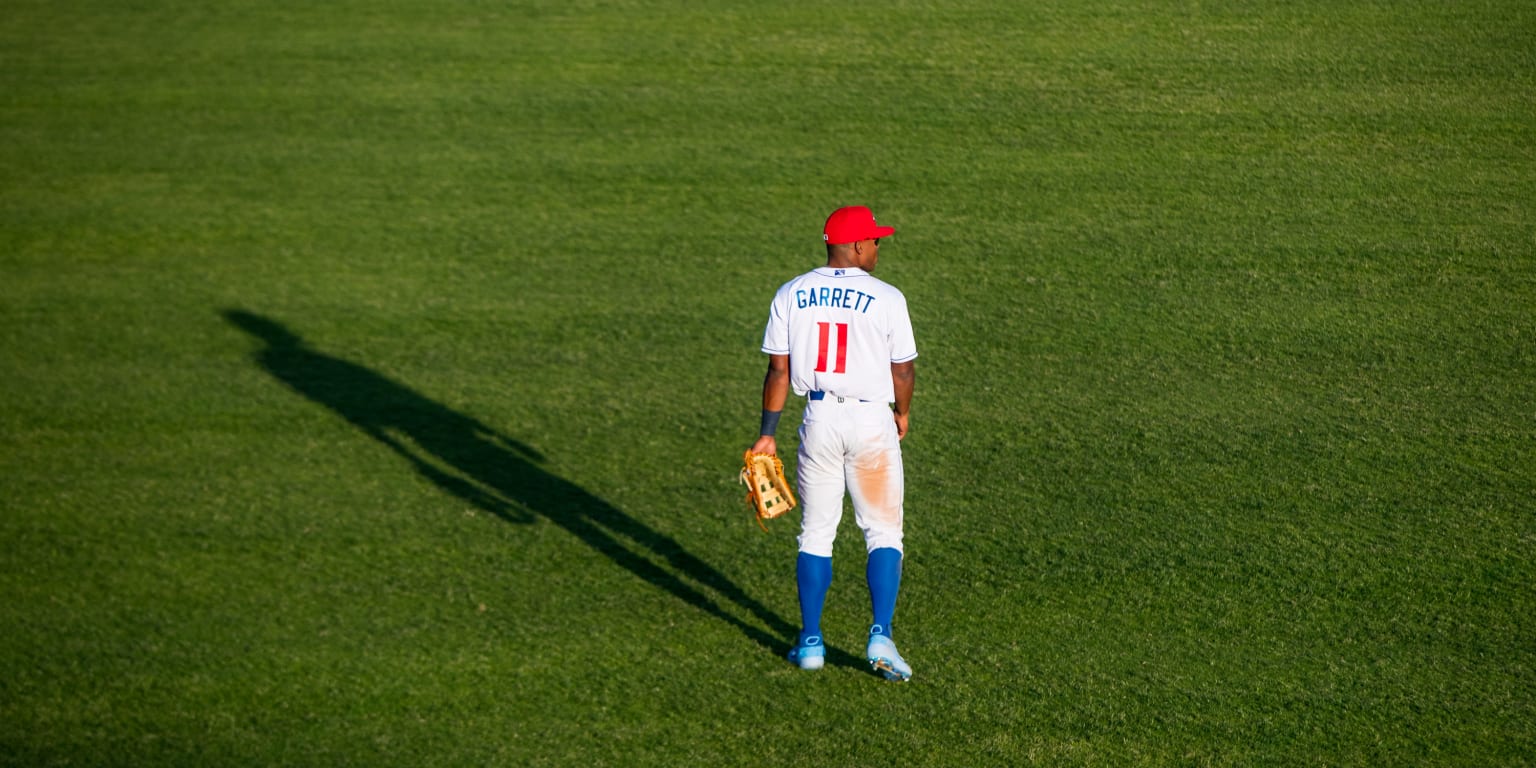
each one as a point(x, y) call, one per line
point(903, 342)
point(776, 334)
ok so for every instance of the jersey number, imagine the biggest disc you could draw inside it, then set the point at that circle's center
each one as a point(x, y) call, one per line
point(824, 346)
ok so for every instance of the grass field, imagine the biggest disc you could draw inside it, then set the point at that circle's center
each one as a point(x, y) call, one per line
point(375, 376)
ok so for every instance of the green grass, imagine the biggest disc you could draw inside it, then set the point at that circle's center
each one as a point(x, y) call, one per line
point(375, 376)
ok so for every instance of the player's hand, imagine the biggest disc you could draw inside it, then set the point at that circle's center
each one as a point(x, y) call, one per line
point(766, 444)
point(901, 424)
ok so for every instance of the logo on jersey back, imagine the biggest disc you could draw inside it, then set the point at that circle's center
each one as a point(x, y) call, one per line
point(840, 272)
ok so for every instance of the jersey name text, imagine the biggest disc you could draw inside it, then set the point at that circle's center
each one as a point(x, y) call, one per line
point(845, 298)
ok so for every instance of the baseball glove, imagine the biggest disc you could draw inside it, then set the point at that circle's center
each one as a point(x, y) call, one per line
point(767, 491)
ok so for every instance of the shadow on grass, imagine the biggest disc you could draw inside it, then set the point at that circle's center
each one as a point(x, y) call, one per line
point(500, 474)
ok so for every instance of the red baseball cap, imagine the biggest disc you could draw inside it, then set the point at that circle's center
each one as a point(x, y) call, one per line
point(852, 224)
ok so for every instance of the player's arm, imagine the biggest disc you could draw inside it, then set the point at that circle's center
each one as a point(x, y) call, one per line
point(775, 394)
point(903, 376)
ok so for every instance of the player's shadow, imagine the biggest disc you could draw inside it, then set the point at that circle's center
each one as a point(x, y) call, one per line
point(501, 475)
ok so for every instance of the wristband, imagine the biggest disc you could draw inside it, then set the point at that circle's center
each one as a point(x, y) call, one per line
point(770, 422)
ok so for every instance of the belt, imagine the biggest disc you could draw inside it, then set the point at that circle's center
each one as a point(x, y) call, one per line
point(819, 395)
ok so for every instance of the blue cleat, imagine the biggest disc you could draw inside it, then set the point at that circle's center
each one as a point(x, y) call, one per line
point(884, 659)
point(809, 654)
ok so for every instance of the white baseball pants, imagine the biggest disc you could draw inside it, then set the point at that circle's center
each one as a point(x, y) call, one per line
point(849, 445)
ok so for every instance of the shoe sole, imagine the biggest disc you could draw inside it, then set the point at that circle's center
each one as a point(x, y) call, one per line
point(808, 663)
point(885, 667)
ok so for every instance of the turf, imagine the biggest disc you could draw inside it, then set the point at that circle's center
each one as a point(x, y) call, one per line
point(375, 376)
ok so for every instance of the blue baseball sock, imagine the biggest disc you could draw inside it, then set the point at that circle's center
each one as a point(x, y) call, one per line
point(813, 575)
point(884, 574)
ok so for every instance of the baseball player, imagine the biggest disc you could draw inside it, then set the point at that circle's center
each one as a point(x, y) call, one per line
point(843, 339)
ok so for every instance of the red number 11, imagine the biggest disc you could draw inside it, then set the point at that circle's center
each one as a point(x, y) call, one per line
point(825, 330)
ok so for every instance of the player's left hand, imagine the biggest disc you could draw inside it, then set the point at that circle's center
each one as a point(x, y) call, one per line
point(766, 444)
point(901, 424)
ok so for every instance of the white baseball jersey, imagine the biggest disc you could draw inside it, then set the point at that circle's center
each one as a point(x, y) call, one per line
point(842, 329)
